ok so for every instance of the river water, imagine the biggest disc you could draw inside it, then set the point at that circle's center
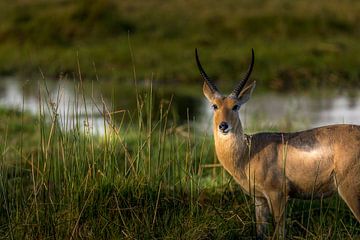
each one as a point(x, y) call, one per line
point(264, 111)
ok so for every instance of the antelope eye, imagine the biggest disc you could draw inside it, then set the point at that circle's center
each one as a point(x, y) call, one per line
point(214, 106)
point(236, 108)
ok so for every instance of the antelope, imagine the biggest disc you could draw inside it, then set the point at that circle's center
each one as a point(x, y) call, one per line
point(273, 167)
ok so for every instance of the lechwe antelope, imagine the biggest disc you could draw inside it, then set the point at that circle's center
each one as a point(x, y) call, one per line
point(273, 167)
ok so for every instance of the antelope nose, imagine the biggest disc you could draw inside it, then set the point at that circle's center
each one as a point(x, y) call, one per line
point(223, 126)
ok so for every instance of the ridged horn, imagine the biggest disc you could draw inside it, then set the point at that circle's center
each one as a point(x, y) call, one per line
point(203, 74)
point(242, 83)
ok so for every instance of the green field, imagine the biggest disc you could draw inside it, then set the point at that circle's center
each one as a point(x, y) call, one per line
point(298, 44)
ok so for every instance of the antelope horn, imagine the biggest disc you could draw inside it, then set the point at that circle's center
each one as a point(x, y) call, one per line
point(204, 75)
point(242, 83)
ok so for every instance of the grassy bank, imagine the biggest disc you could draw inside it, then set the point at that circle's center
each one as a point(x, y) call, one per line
point(145, 178)
point(298, 44)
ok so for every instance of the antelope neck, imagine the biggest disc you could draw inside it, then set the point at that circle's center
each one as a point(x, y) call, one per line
point(230, 148)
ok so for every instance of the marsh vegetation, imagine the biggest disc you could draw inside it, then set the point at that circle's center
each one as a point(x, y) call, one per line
point(298, 44)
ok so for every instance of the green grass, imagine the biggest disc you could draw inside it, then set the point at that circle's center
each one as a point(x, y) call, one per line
point(146, 178)
point(298, 44)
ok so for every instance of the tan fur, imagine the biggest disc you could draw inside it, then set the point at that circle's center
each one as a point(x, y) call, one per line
point(274, 167)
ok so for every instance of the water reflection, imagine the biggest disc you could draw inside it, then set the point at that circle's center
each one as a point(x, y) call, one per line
point(12, 96)
point(73, 110)
point(263, 112)
point(302, 111)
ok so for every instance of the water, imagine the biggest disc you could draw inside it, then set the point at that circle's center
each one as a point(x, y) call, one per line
point(73, 110)
point(263, 111)
point(298, 112)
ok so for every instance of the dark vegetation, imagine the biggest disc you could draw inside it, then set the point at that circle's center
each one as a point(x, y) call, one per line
point(298, 44)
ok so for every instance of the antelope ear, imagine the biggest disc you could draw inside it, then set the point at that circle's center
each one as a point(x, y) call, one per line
point(245, 94)
point(207, 92)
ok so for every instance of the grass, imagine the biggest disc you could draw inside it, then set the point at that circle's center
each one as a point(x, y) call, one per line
point(149, 176)
point(298, 44)
point(146, 178)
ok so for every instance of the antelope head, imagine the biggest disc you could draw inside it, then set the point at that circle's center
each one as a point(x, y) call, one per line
point(226, 108)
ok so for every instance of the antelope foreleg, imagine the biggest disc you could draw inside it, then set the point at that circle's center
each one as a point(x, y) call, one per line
point(262, 211)
point(277, 201)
